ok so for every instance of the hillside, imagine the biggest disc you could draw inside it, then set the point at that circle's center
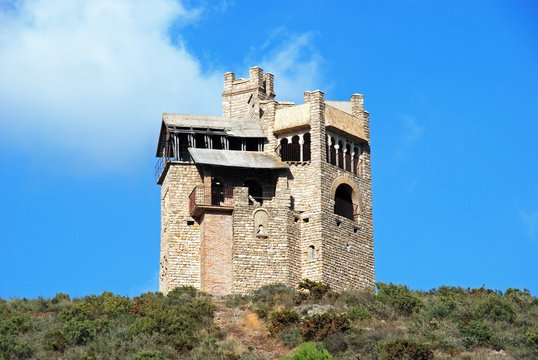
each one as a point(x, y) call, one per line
point(273, 322)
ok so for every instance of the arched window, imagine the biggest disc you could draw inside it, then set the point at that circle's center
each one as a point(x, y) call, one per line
point(285, 153)
point(347, 158)
point(343, 201)
point(306, 147)
point(217, 192)
point(311, 252)
point(254, 190)
point(340, 155)
point(295, 149)
point(356, 160)
point(332, 152)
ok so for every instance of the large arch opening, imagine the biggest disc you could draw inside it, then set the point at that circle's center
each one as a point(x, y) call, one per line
point(343, 201)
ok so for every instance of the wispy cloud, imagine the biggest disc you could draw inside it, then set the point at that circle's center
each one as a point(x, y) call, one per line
point(412, 130)
point(91, 78)
point(530, 220)
point(293, 59)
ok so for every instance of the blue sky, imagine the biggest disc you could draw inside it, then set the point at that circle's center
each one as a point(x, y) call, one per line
point(451, 87)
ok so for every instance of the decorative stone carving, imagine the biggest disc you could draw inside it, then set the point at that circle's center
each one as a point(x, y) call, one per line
point(261, 223)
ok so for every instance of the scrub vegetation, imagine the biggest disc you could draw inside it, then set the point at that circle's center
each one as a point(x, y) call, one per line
point(275, 322)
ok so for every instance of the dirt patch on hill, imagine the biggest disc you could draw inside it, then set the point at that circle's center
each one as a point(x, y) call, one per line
point(248, 331)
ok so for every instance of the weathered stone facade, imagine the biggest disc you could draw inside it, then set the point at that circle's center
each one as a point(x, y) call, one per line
point(271, 192)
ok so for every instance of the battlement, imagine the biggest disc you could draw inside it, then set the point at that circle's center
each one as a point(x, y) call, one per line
point(241, 96)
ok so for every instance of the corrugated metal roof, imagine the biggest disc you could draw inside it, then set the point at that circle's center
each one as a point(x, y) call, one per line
point(245, 127)
point(243, 159)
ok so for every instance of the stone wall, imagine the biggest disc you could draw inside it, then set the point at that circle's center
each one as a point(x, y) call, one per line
point(180, 237)
point(348, 258)
point(241, 97)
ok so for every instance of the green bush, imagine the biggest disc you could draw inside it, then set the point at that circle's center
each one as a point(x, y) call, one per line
point(282, 319)
point(451, 291)
point(442, 307)
point(336, 343)
point(268, 296)
point(531, 336)
point(320, 326)
point(406, 349)
point(291, 337)
point(496, 308)
point(13, 348)
point(398, 297)
point(12, 325)
point(176, 319)
point(55, 341)
point(106, 304)
point(475, 333)
point(359, 312)
point(310, 351)
point(79, 332)
point(316, 289)
point(272, 293)
point(181, 294)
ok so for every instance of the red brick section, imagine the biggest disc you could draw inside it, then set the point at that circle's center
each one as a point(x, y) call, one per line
point(216, 251)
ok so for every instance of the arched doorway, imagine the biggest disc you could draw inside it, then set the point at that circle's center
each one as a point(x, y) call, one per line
point(343, 201)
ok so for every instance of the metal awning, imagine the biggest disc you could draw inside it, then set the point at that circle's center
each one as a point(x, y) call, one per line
point(239, 127)
point(242, 159)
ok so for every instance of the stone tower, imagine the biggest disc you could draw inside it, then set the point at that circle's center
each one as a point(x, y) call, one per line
point(269, 192)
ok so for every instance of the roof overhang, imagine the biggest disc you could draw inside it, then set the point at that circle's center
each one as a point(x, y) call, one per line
point(241, 159)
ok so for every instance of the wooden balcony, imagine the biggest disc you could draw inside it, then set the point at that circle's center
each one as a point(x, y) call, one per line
point(219, 198)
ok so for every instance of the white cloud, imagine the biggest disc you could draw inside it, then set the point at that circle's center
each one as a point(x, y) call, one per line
point(88, 80)
point(530, 220)
point(294, 61)
point(91, 78)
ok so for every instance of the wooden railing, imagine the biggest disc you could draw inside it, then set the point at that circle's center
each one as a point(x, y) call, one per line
point(292, 152)
point(183, 156)
point(218, 196)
